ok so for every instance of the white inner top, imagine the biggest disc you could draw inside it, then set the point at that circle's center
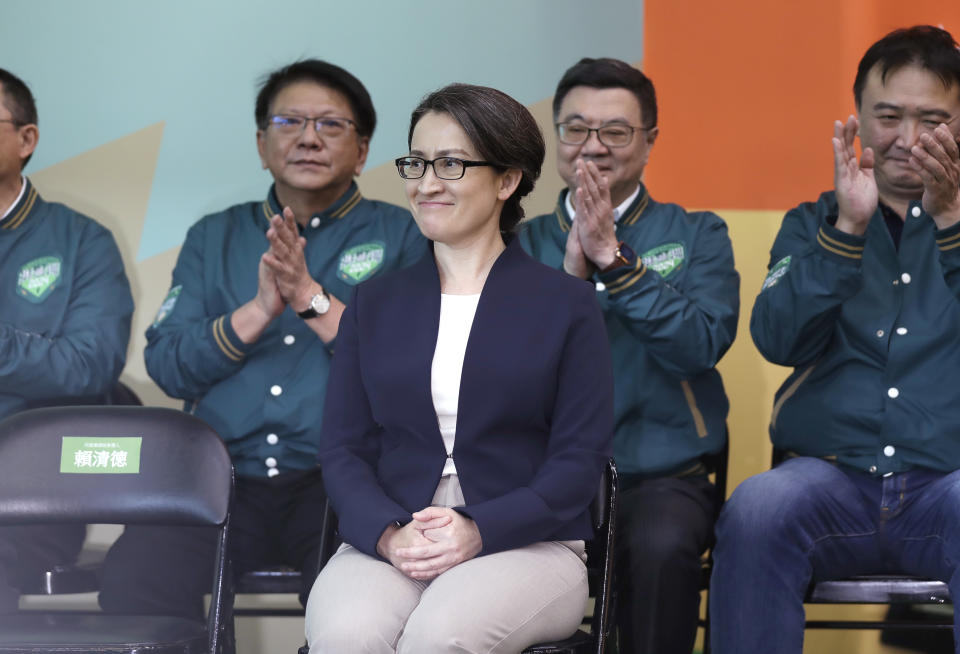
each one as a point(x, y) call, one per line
point(456, 318)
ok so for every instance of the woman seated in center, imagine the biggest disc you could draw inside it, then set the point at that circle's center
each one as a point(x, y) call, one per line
point(468, 415)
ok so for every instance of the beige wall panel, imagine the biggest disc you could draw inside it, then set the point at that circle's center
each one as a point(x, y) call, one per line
point(154, 275)
point(749, 379)
point(112, 184)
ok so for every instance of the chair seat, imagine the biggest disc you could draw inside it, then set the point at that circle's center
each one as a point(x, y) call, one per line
point(879, 589)
point(271, 580)
point(578, 642)
point(100, 633)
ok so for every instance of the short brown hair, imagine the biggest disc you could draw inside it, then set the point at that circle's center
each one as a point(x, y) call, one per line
point(926, 46)
point(503, 131)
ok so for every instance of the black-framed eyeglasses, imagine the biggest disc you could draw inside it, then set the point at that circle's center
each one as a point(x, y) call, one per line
point(616, 135)
point(331, 126)
point(15, 123)
point(443, 167)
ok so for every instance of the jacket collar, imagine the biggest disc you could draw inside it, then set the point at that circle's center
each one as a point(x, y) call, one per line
point(344, 205)
point(630, 216)
point(22, 209)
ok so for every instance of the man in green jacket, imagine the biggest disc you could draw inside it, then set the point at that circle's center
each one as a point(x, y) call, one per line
point(248, 328)
point(670, 296)
point(861, 299)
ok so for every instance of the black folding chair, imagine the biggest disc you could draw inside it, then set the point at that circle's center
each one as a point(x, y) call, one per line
point(603, 512)
point(81, 576)
point(119, 465)
point(716, 465)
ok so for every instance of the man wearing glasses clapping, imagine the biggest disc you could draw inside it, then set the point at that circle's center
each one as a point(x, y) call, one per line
point(248, 327)
point(669, 292)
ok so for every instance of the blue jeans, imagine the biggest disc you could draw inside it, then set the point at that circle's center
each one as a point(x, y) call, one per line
point(808, 519)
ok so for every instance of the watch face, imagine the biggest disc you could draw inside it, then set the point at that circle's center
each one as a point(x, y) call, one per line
point(320, 303)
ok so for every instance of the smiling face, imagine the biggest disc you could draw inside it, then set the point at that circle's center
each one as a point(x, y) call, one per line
point(455, 212)
point(894, 113)
point(307, 162)
point(622, 166)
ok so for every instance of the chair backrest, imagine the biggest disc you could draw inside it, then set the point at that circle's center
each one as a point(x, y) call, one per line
point(112, 464)
point(604, 504)
point(716, 464)
point(600, 506)
point(124, 465)
point(119, 394)
point(600, 556)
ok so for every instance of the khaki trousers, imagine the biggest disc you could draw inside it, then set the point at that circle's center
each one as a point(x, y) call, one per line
point(501, 603)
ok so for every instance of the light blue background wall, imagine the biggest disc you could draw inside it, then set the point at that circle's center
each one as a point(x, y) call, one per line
point(101, 69)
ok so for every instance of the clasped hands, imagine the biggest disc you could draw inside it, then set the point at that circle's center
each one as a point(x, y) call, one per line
point(283, 277)
point(437, 539)
point(935, 157)
point(592, 240)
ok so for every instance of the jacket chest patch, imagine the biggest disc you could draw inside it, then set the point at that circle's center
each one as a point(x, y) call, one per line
point(360, 262)
point(38, 278)
point(665, 259)
point(779, 270)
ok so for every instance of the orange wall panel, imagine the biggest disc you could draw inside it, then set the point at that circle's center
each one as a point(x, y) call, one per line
point(749, 90)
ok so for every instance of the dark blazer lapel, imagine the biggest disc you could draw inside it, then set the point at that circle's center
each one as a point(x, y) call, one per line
point(489, 337)
point(422, 297)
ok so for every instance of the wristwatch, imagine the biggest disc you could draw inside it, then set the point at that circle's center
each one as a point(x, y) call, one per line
point(623, 255)
point(319, 305)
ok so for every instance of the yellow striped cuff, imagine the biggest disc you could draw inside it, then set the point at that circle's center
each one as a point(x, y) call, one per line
point(223, 341)
point(949, 242)
point(838, 247)
point(628, 279)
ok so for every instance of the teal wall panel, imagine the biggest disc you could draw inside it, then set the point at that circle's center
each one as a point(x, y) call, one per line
point(101, 69)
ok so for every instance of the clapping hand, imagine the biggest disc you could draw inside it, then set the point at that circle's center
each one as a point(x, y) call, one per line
point(853, 179)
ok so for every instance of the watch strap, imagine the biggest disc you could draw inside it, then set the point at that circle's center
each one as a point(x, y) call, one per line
point(310, 312)
point(623, 255)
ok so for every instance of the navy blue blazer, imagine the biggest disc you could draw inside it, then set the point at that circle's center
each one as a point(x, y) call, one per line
point(535, 416)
